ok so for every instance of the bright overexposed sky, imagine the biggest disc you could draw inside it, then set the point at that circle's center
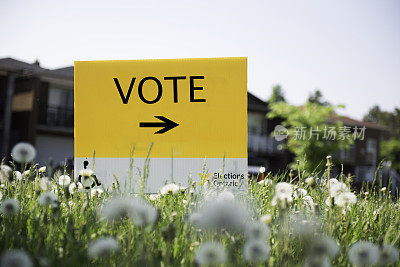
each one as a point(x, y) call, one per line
point(350, 50)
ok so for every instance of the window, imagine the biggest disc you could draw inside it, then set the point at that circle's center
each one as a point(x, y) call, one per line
point(372, 145)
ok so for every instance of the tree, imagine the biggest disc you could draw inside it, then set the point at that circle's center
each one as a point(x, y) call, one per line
point(311, 150)
point(277, 95)
point(390, 151)
point(390, 120)
point(317, 98)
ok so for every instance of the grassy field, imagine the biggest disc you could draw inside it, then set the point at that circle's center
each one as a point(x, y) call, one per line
point(304, 222)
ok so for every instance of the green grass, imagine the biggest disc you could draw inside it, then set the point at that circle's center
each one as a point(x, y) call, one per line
point(62, 235)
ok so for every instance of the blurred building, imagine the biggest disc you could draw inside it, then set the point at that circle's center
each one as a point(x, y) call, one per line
point(37, 107)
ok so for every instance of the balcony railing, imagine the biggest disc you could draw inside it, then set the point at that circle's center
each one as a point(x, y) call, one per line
point(262, 143)
point(56, 116)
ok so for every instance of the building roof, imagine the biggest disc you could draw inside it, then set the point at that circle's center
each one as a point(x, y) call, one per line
point(23, 68)
point(353, 122)
point(256, 104)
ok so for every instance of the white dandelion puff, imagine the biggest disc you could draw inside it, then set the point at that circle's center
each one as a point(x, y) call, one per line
point(45, 184)
point(346, 199)
point(257, 230)
point(75, 187)
point(265, 182)
point(5, 173)
point(17, 175)
point(316, 261)
point(154, 197)
point(1, 195)
point(96, 192)
point(363, 253)
point(47, 198)
point(23, 152)
point(283, 188)
point(262, 169)
point(266, 219)
point(15, 258)
point(224, 215)
point(323, 246)
point(338, 188)
point(170, 189)
point(43, 169)
point(138, 211)
point(226, 196)
point(210, 253)
point(256, 251)
point(388, 255)
point(102, 247)
point(86, 173)
point(64, 180)
point(9, 206)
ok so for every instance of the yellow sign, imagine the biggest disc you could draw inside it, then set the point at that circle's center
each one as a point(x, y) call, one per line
point(186, 108)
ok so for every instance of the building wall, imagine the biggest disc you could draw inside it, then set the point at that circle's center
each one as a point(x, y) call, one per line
point(55, 148)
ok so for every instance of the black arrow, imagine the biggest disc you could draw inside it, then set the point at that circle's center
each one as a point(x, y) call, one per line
point(167, 124)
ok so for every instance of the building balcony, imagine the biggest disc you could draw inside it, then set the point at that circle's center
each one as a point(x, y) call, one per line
point(57, 116)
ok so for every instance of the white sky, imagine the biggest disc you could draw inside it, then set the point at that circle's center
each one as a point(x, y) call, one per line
point(350, 50)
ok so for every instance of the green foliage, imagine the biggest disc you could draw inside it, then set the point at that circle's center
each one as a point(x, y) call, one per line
point(390, 120)
point(390, 150)
point(277, 95)
point(309, 151)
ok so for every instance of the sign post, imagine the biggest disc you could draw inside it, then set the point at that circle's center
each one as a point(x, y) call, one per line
point(192, 112)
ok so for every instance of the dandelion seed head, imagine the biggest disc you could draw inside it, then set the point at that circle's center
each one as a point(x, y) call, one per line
point(210, 253)
point(138, 211)
point(345, 199)
point(388, 255)
point(154, 197)
point(257, 230)
point(265, 182)
point(5, 173)
point(47, 198)
point(17, 175)
point(45, 184)
point(283, 188)
point(75, 187)
point(64, 180)
point(15, 258)
point(96, 192)
point(23, 152)
point(363, 253)
point(224, 215)
point(170, 189)
point(86, 173)
point(42, 169)
point(102, 247)
point(9, 206)
point(256, 251)
point(266, 219)
point(338, 189)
